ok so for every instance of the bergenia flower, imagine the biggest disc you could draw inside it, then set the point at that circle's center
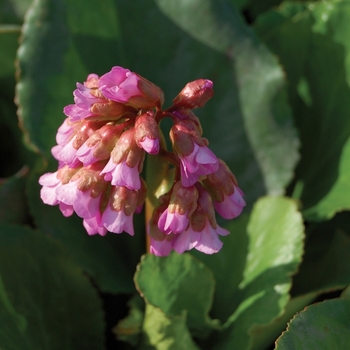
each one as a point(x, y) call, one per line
point(182, 204)
point(196, 159)
point(101, 148)
point(125, 164)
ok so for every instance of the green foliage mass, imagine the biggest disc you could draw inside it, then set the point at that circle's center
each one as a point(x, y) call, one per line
point(279, 118)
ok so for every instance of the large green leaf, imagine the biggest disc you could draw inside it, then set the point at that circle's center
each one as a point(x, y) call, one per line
point(274, 251)
point(46, 302)
point(312, 42)
point(321, 326)
point(175, 284)
point(62, 42)
point(252, 79)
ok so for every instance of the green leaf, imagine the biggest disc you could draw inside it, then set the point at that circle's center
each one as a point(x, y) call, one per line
point(109, 260)
point(62, 42)
point(274, 251)
point(311, 41)
point(320, 326)
point(254, 81)
point(46, 302)
point(175, 284)
point(12, 192)
point(13, 11)
point(164, 332)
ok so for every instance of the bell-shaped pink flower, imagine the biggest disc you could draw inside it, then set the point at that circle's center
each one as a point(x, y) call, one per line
point(118, 215)
point(223, 188)
point(126, 162)
point(84, 191)
point(232, 205)
point(94, 226)
point(196, 159)
point(126, 87)
point(183, 201)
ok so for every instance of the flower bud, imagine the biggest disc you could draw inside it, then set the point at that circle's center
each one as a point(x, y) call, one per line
point(147, 132)
point(126, 87)
point(195, 94)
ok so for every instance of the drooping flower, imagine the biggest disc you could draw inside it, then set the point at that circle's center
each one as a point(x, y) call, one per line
point(227, 196)
point(123, 203)
point(182, 204)
point(202, 231)
point(126, 162)
point(196, 159)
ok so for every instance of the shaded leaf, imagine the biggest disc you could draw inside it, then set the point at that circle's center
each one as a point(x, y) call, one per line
point(312, 43)
point(85, 37)
point(257, 78)
point(109, 260)
point(46, 300)
point(320, 326)
point(12, 193)
point(326, 264)
point(175, 284)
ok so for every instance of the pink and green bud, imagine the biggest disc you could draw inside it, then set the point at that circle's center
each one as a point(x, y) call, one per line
point(147, 133)
point(183, 201)
point(223, 188)
point(121, 85)
point(100, 144)
point(196, 159)
point(126, 162)
point(195, 94)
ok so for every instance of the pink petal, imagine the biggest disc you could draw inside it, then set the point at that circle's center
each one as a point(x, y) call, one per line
point(66, 210)
point(209, 242)
point(186, 240)
point(85, 206)
point(150, 146)
point(117, 221)
point(161, 248)
point(94, 226)
point(68, 193)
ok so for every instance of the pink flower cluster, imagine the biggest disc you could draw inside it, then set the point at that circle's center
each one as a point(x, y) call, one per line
point(101, 148)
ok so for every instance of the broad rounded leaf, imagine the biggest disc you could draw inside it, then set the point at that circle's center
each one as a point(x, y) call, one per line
point(175, 284)
point(46, 301)
point(62, 42)
point(320, 326)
